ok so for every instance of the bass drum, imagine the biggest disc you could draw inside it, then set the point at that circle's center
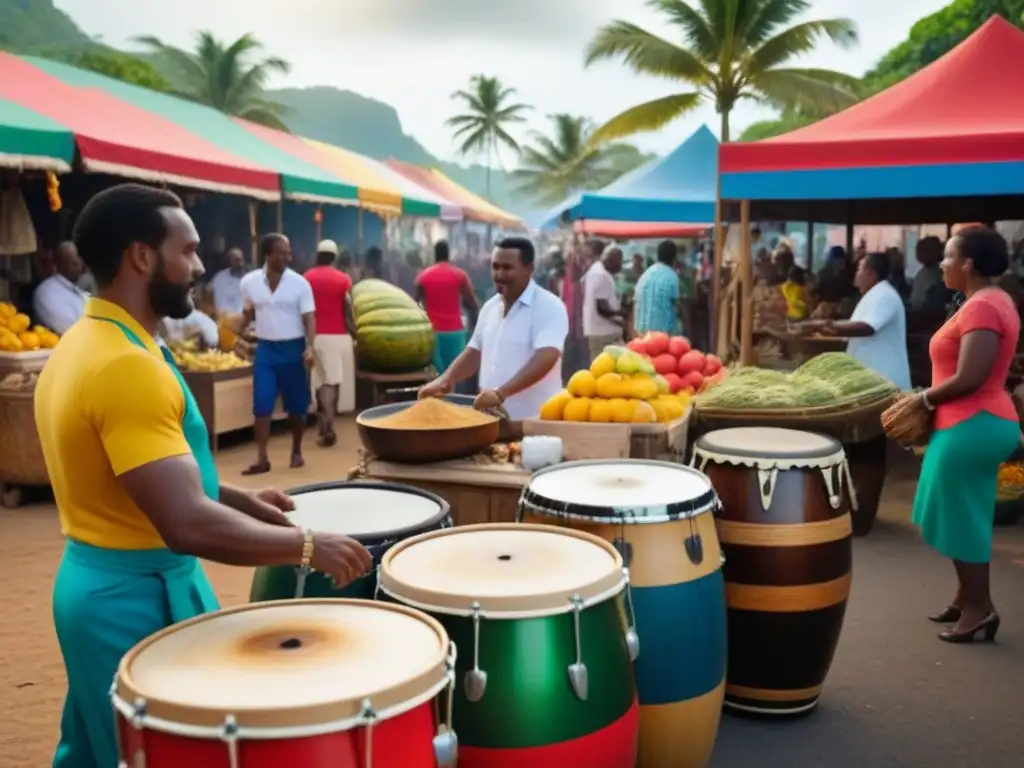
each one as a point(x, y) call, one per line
point(786, 532)
point(544, 679)
point(377, 515)
point(660, 517)
point(312, 683)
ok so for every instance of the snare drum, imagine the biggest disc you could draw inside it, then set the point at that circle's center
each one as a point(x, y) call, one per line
point(374, 514)
point(544, 679)
point(659, 516)
point(786, 532)
point(316, 683)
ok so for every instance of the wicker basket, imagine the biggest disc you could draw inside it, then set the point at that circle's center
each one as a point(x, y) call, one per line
point(21, 456)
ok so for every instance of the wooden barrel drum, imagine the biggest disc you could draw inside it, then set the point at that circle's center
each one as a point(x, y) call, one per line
point(786, 533)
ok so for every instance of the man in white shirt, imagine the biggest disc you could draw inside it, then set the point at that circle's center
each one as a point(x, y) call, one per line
point(58, 302)
point(226, 285)
point(878, 327)
point(602, 316)
point(518, 340)
point(280, 303)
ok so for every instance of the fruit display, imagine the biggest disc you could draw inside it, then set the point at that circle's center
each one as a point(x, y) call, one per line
point(393, 333)
point(620, 386)
point(18, 382)
point(211, 361)
point(1010, 482)
point(830, 379)
point(18, 335)
point(674, 358)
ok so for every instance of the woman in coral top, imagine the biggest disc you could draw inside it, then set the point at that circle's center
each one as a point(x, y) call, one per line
point(976, 427)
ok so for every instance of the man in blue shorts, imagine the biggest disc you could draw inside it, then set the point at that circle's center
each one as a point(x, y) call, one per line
point(280, 302)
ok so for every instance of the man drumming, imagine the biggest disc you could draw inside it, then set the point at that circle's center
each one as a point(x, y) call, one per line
point(281, 302)
point(129, 460)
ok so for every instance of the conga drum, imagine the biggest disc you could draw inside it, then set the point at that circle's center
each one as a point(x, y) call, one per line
point(786, 532)
point(660, 518)
point(544, 679)
point(375, 514)
point(311, 683)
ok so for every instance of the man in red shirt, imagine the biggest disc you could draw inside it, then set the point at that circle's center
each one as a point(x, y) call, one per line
point(443, 290)
point(334, 362)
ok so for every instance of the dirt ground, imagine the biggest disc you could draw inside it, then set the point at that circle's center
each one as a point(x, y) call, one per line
point(31, 671)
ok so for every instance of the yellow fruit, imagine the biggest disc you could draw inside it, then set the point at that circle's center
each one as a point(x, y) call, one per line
point(603, 363)
point(641, 387)
point(601, 411)
point(29, 340)
point(19, 323)
point(577, 409)
point(582, 384)
point(7, 310)
point(662, 384)
point(11, 343)
point(48, 339)
point(660, 410)
point(627, 363)
point(611, 385)
point(643, 413)
point(672, 405)
point(555, 405)
point(622, 410)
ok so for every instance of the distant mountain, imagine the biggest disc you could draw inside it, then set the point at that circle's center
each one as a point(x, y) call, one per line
point(35, 26)
point(373, 128)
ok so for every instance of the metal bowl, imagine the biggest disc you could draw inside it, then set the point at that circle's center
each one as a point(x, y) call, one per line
point(422, 446)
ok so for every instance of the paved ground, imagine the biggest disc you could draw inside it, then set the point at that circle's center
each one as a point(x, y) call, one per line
point(896, 697)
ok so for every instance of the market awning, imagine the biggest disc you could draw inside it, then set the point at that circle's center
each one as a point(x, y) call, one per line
point(298, 180)
point(30, 141)
point(473, 206)
point(116, 137)
point(954, 129)
point(383, 189)
point(637, 230)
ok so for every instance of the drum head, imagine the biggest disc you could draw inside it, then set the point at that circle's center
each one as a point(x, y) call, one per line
point(508, 569)
point(368, 512)
point(294, 664)
point(620, 491)
point(768, 443)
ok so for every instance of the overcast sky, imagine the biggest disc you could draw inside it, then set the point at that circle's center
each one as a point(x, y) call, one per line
point(413, 54)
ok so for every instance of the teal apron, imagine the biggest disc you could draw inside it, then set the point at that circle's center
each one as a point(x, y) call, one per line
point(105, 601)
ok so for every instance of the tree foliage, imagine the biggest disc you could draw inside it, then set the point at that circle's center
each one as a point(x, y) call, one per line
point(121, 66)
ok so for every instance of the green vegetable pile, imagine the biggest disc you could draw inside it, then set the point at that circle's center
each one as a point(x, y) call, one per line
point(834, 378)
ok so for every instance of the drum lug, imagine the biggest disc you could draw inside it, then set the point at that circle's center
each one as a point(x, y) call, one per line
point(632, 638)
point(625, 549)
point(578, 676)
point(301, 574)
point(369, 716)
point(694, 546)
point(476, 678)
point(446, 748)
point(229, 735)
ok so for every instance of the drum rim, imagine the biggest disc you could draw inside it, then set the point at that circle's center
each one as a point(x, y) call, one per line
point(336, 716)
point(505, 607)
point(835, 448)
point(680, 510)
point(380, 537)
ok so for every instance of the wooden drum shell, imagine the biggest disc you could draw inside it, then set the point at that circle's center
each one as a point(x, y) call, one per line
point(787, 579)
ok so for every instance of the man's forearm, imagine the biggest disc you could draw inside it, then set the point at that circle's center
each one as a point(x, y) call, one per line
point(309, 325)
point(234, 497)
point(536, 368)
point(465, 365)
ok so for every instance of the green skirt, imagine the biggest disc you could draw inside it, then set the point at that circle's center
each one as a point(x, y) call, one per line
point(956, 492)
point(448, 346)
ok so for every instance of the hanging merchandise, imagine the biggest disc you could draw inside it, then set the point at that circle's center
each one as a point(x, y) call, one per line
point(17, 233)
point(53, 191)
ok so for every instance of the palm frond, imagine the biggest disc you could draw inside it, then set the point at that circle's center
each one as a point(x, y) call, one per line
point(649, 116)
point(646, 53)
point(797, 40)
point(262, 116)
point(695, 26)
point(765, 18)
point(814, 90)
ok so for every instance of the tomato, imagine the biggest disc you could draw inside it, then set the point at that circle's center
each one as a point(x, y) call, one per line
point(691, 361)
point(657, 343)
point(693, 380)
point(674, 382)
point(665, 364)
point(678, 346)
point(713, 365)
point(639, 346)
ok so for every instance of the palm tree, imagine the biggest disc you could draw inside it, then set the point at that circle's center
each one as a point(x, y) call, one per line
point(554, 167)
point(483, 126)
point(223, 76)
point(730, 50)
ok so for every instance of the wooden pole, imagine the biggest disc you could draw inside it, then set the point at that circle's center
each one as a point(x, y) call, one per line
point(747, 293)
point(280, 217)
point(718, 233)
point(253, 210)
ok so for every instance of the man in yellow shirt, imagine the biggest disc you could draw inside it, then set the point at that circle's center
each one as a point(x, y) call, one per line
point(130, 463)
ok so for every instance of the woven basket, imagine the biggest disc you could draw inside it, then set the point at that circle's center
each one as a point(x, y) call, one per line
point(853, 421)
point(21, 456)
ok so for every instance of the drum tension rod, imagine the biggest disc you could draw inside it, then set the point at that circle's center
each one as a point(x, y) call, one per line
point(369, 715)
point(578, 670)
point(476, 678)
point(229, 734)
point(446, 743)
point(632, 638)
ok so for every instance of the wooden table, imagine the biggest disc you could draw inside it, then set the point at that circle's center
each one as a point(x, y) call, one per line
point(371, 387)
point(225, 400)
point(477, 493)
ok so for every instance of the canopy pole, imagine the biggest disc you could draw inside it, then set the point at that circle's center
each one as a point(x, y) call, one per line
point(280, 217)
point(719, 232)
point(747, 276)
point(810, 250)
point(359, 229)
point(252, 231)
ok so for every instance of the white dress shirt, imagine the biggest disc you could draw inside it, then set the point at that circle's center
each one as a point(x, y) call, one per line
point(885, 351)
point(58, 303)
point(180, 330)
point(537, 320)
point(278, 313)
point(598, 284)
point(227, 292)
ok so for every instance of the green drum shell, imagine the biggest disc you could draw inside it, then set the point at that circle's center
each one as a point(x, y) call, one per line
point(280, 582)
point(528, 700)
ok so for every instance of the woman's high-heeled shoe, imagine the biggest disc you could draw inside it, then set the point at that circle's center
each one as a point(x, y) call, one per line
point(949, 615)
point(988, 626)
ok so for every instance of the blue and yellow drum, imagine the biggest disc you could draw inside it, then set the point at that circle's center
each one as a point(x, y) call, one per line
point(660, 517)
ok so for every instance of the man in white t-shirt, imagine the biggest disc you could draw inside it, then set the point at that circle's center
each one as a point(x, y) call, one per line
point(518, 340)
point(602, 315)
point(878, 327)
point(226, 285)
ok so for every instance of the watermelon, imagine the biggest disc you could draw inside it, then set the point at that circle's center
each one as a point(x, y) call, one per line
point(394, 334)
